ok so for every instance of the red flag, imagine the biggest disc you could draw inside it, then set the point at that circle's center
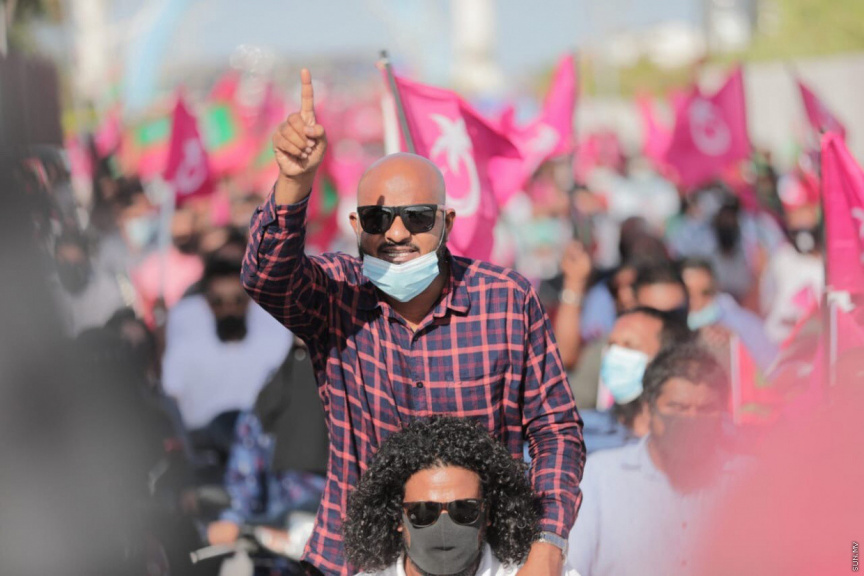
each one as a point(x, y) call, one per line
point(843, 189)
point(188, 169)
point(470, 154)
point(710, 133)
point(821, 119)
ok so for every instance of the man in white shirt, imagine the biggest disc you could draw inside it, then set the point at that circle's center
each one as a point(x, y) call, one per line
point(442, 497)
point(221, 348)
point(647, 505)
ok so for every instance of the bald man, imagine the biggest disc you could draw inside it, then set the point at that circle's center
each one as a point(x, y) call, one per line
point(409, 330)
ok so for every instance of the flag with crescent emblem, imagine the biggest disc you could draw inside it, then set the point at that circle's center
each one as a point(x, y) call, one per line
point(710, 133)
point(469, 152)
point(188, 168)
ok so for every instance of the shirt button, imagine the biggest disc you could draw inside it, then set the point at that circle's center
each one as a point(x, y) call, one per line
point(419, 384)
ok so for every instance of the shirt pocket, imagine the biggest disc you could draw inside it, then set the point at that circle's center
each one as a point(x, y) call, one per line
point(477, 390)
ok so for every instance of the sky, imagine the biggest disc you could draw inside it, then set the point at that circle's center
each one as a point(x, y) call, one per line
point(530, 34)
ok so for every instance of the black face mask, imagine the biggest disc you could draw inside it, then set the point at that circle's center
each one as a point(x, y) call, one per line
point(74, 276)
point(231, 328)
point(445, 547)
point(186, 244)
point(728, 236)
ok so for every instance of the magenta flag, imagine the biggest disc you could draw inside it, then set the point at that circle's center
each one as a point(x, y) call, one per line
point(109, 134)
point(710, 133)
point(471, 155)
point(559, 105)
point(821, 119)
point(843, 190)
point(551, 134)
point(655, 136)
point(188, 168)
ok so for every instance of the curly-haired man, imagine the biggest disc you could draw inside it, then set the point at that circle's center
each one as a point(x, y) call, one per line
point(442, 497)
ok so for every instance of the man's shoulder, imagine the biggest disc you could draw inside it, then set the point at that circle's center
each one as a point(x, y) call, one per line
point(477, 271)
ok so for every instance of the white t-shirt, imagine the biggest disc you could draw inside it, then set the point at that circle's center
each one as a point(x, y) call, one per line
point(207, 376)
point(489, 566)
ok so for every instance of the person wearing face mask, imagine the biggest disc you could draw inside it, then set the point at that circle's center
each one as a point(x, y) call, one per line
point(648, 505)
point(442, 496)
point(795, 274)
point(87, 295)
point(220, 348)
point(409, 330)
point(661, 287)
point(636, 338)
point(718, 318)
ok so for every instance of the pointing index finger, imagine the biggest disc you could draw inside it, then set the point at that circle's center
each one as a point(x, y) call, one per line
point(307, 98)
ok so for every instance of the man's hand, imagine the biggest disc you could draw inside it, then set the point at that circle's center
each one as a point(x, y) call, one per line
point(544, 559)
point(576, 266)
point(222, 532)
point(299, 144)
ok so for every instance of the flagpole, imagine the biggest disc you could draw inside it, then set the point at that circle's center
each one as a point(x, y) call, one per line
point(397, 99)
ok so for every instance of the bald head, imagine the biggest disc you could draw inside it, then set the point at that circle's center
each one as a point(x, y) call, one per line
point(400, 179)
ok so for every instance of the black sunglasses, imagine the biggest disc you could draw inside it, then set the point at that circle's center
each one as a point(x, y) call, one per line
point(423, 514)
point(416, 218)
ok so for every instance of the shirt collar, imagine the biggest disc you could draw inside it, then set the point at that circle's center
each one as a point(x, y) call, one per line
point(454, 296)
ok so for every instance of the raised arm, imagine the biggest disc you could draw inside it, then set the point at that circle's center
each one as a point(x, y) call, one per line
point(276, 271)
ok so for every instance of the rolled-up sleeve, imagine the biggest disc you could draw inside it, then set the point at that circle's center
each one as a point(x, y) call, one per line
point(552, 425)
point(278, 274)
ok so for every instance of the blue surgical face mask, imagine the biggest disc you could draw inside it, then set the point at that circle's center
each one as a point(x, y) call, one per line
point(621, 371)
point(708, 315)
point(405, 281)
point(140, 231)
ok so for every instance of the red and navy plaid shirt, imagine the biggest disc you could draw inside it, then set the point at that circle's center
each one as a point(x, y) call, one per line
point(486, 352)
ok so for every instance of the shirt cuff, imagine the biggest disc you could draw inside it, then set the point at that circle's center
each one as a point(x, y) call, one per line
point(555, 540)
point(232, 516)
point(284, 216)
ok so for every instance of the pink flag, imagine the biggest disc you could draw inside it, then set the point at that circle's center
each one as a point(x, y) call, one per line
point(753, 398)
point(226, 87)
point(551, 134)
point(109, 134)
point(850, 331)
point(188, 169)
point(471, 155)
point(710, 133)
point(821, 119)
point(655, 136)
point(559, 106)
point(843, 189)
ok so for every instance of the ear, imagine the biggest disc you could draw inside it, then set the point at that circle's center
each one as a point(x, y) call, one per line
point(449, 218)
point(355, 224)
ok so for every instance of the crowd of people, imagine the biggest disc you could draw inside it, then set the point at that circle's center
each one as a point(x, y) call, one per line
point(435, 411)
